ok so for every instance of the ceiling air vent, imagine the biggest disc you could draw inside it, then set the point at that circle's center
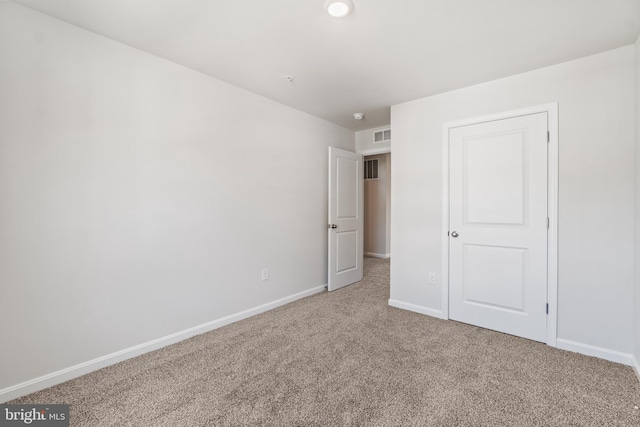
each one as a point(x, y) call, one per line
point(382, 136)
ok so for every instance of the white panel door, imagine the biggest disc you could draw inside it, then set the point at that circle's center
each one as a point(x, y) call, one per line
point(345, 218)
point(498, 225)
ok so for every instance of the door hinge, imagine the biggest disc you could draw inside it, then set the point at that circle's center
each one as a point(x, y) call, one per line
point(547, 308)
point(548, 136)
point(547, 223)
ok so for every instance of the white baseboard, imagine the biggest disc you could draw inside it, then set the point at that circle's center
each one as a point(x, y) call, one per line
point(49, 380)
point(417, 308)
point(374, 255)
point(636, 366)
point(590, 350)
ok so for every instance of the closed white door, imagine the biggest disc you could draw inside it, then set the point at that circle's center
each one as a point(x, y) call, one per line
point(498, 225)
point(345, 218)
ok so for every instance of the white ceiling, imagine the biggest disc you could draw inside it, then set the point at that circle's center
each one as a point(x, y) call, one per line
point(384, 53)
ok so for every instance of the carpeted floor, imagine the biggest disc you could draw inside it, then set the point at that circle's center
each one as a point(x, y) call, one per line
point(347, 358)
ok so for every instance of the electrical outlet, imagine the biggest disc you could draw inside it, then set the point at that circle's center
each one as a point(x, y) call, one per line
point(432, 278)
point(265, 274)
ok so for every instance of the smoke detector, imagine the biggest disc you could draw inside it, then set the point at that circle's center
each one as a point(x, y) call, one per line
point(358, 116)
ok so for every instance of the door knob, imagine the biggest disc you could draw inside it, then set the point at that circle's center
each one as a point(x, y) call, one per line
point(334, 226)
point(454, 234)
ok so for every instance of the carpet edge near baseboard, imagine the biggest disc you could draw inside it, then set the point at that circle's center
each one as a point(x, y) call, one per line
point(636, 366)
point(416, 308)
point(594, 351)
point(563, 344)
point(75, 371)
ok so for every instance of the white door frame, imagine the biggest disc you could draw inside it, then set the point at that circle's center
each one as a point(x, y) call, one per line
point(374, 151)
point(552, 206)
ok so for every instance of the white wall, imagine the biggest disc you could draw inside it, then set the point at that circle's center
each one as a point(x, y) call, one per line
point(596, 208)
point(140, 198)
point(365, 144)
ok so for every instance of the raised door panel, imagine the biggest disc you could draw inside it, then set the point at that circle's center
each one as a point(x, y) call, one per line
point(495, 182)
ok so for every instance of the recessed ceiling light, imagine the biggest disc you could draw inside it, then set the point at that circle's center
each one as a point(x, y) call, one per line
point(338, 8)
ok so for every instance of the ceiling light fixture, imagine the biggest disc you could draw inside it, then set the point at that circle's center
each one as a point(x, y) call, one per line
point(358, 116)
point(338, 8)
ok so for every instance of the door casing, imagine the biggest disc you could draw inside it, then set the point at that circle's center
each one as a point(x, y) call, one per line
point(552, 206)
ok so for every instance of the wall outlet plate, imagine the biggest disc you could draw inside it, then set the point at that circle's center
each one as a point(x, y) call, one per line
point(432, 278)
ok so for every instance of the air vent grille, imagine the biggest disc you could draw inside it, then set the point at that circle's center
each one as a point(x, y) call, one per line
point(382, 136)
point(371, 169)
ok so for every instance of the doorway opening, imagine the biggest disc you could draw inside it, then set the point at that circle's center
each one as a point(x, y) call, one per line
point(377, 205)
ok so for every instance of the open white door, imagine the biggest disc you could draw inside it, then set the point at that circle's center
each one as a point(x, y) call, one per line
point(345, 218)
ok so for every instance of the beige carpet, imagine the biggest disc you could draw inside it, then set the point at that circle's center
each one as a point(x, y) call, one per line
point(347, 358)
